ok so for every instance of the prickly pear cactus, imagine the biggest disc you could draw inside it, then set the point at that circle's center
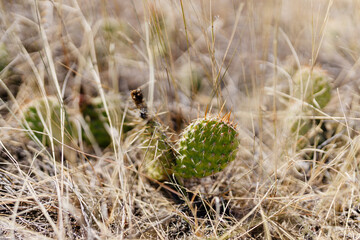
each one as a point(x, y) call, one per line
point(313, 86)
point(302, 129)
point(43, 120)
point(159, 155)
point(206, 147)
point(95, 116)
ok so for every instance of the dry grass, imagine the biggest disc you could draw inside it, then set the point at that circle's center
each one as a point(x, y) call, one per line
point(186, 56)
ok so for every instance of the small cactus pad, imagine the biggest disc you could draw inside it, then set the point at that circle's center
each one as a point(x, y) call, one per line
point(159, 155)
point(206, 147)
point(314, 85)
point(301, 129)
point(36, 114)
point(95, 116)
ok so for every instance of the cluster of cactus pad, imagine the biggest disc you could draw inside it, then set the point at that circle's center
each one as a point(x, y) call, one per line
point(205, 147)
point(43, 117)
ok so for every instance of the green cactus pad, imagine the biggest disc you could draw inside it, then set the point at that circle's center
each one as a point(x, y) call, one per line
point(301, 128)
point(40, 118)
point(96, 118)
point(159, 156)
point(314, 85)
point(205, 148)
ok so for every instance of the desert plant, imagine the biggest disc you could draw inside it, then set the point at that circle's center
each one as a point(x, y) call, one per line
point(95, 116)
point(206, 146)
point(159, 154)
point(43, 117)
point(313, 86)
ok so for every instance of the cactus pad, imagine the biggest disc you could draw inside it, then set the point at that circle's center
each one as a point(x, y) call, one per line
point(205, 148)
point(314, 85)
point(42, 120)
point(95, 116)
point(159, 155)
